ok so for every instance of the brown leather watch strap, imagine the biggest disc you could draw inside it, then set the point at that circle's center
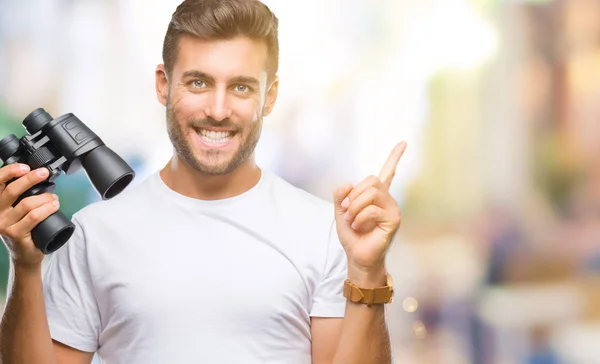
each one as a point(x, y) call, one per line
point(379, 295)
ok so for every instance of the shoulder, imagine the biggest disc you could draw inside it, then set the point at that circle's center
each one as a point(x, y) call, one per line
point(294, 205)
point(298, 198)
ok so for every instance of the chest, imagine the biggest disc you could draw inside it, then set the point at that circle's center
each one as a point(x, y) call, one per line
point(209, 275)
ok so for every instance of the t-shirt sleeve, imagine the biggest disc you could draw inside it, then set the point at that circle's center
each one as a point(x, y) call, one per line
point(71, 307)
point(329, 300)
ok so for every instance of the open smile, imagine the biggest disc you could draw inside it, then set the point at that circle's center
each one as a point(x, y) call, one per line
point(215, 138)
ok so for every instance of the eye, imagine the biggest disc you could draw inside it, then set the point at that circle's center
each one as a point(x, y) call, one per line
point(198, 84)
point(242, 89)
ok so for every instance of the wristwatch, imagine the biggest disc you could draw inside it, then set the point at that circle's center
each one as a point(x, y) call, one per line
point(370, 296)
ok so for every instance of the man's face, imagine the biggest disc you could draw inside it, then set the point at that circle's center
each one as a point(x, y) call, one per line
point(216, 98)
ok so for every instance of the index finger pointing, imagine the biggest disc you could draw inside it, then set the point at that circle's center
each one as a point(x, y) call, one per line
point(389, 168)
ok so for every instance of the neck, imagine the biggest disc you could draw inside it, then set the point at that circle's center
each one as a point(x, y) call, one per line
point(183, 179)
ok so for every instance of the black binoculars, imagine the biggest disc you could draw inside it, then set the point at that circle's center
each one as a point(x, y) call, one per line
point(64, 144)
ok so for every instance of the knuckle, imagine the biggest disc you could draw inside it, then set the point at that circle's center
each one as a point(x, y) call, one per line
point(28, 204)
point(372, 191)
point(12, 191)
point(372, 179)
point(9, 232)
point(11, 170)
point(17, 170)
point(370, 212)
point(34, 202)
point(36, 215)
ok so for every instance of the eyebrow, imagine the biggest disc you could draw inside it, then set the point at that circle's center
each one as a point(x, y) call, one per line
point(245, 79)
point(238, 79)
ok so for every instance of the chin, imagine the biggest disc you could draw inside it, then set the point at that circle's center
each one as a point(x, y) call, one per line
point(213, 170)
point(216, 165)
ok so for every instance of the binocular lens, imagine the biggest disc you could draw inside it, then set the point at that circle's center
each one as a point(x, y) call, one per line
point(107, 171)
point(52, 233)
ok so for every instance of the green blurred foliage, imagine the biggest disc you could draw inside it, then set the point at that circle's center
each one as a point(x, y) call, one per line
point(557, 170)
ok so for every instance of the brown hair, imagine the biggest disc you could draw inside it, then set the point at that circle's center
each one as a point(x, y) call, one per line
point(223, 19)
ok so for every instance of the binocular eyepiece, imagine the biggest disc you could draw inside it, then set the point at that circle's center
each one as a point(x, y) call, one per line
point(64, 144)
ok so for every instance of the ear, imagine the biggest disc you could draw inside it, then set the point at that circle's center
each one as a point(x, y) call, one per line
point(271, 97)
point(162, 84)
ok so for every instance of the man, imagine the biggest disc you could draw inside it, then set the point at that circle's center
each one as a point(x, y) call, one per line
point(211, 259)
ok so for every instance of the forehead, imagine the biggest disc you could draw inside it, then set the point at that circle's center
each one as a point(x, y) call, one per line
point(221, 59)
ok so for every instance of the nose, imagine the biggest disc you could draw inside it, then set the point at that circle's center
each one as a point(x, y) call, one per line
point(218, 105)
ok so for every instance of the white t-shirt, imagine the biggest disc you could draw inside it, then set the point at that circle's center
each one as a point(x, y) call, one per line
point(152, 276)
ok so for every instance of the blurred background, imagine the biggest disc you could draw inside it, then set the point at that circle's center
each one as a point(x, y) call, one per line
point(498, 258)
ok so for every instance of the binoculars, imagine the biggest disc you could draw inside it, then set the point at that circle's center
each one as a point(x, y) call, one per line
point(64, 144)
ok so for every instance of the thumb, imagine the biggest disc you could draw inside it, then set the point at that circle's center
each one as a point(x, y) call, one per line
point(339, 196)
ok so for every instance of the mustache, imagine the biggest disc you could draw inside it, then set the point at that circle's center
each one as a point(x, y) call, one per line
point(210, 122)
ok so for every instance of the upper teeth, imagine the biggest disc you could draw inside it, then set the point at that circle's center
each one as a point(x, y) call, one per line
point(215, 134)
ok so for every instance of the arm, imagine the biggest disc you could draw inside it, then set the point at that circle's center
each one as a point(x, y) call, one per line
point(24, 332)
point(68, 355)
point(367, 218)
point(364, 337)
point(360, 337)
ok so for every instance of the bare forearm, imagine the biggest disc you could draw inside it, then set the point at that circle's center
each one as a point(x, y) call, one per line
point(24, 333)
point(365, 337)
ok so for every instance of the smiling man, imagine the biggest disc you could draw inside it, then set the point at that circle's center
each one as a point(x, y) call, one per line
point(211, 259)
